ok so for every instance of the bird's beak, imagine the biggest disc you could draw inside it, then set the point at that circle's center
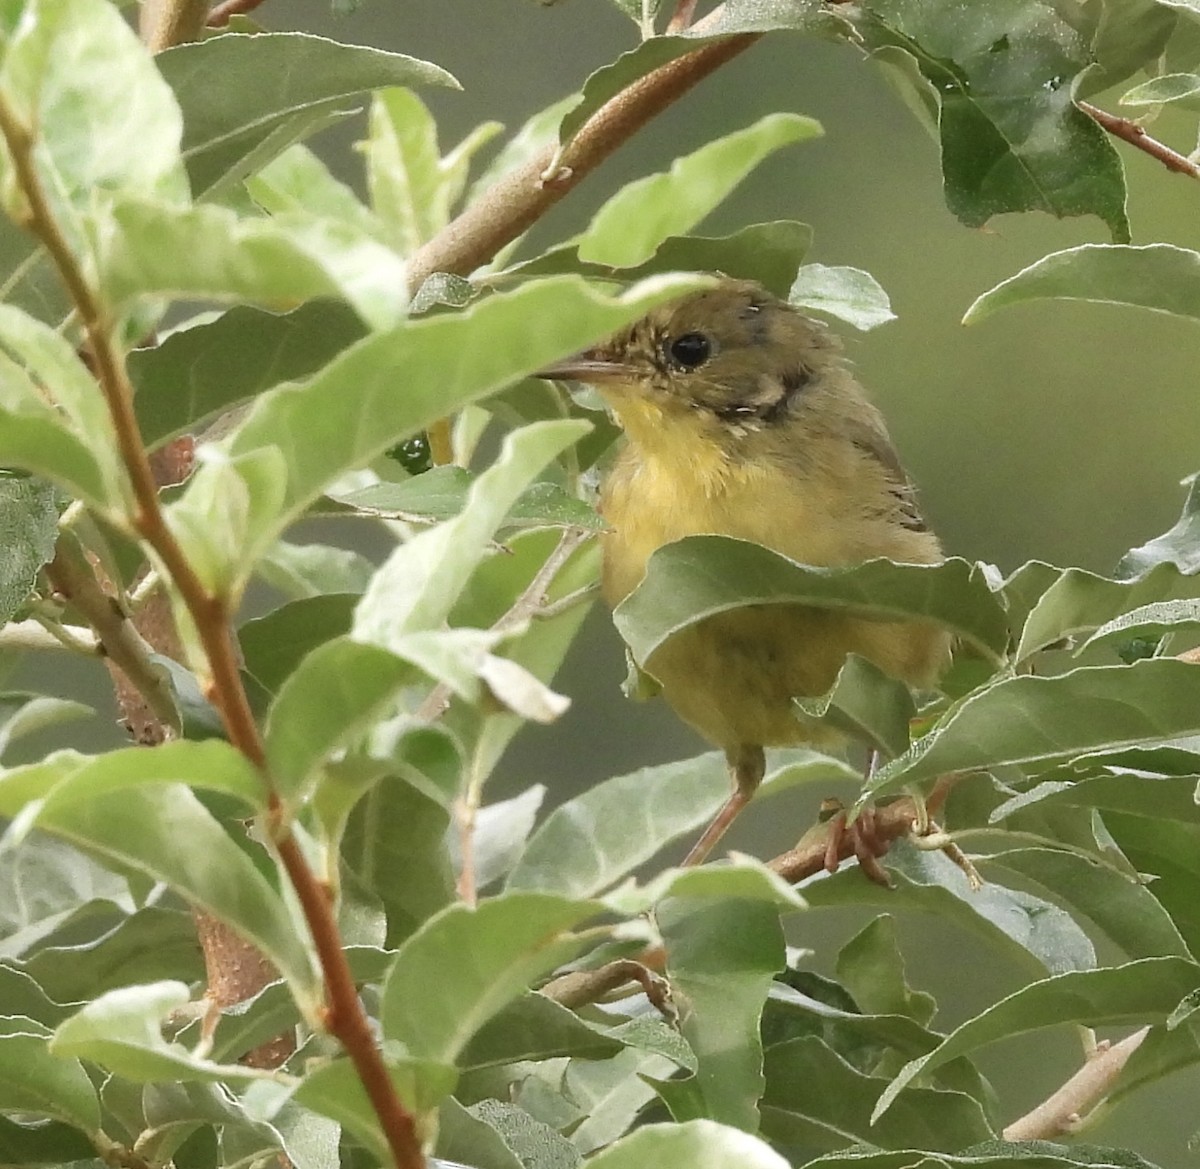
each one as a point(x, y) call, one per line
point(587, 367)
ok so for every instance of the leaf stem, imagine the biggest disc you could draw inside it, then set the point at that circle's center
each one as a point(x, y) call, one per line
point(1129, 131)
point(516, 201)
point(211, 614)
point(685, 10)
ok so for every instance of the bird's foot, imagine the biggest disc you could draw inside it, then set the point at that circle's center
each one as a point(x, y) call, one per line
point(862, 837)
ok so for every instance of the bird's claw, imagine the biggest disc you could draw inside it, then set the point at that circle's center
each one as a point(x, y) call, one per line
point(865, 842)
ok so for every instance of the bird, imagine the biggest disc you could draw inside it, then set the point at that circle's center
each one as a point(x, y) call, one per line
point(742, 418)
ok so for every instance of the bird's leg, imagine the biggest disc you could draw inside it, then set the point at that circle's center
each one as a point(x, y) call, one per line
point(746, 767)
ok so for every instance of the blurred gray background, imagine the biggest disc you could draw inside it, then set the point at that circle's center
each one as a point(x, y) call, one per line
point(1057, 431)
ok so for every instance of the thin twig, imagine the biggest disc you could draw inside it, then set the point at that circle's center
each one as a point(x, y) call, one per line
point(519, 199)
point(527, 606)
point(211, 614)
point(41, 634)
point(579, 987)
point(1061, 1112)
point(221, 13)
point(75, 579)
point(1129, 131)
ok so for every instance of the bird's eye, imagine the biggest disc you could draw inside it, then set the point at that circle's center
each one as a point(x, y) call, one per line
point(690, 350)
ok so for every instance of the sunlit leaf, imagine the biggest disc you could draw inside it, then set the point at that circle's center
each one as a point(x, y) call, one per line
point(1160, 277)
point(350, 412)
point(849, 294)
point(629, 228)
point(697, 1144)
point(1167, 87)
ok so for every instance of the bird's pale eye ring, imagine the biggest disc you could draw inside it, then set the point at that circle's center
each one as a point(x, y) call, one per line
point(690, 351)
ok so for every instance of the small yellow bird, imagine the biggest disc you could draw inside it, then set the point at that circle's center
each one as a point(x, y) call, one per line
point(742, 419)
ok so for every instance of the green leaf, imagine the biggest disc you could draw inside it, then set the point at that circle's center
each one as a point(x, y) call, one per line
point(318, 427)
point(534, 1143)
point(697, 1144)
point(23, 713)
point(273, 85)
point(1138, 992)
point(34, 1081)
point(534, 1027)
point(740, 878)
point(203, 370)
point(849, 294)
point(297, 181)
point(122, 1031)
point(1180, 546)
point(1160, 277)
point(629, 228)
point(1080, 602)
point(722, 956)
point(470, 1141)
point(1032, 931)
point(1167, 87)
point(815, 1099)
point(48, 1143)
point(769, 253)
point(1012, 138)
point(35, 438)
point(275, 644)
point(419, 583)
point(395, 844)
point(699, 576)
point(1148, 622)
point(872, 968)
point(28, 531)
point(67, 776)
point(1124, 908)
point(1034, 722)
point(463, 965)
point(180, 843)
point(866, 703)
point(210, 252)
point(74, 73)
point(305, 571)
point(441, 494)
point(590, 842)
point(413, 188)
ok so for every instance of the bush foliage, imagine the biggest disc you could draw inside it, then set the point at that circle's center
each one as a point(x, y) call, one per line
point(320, 787)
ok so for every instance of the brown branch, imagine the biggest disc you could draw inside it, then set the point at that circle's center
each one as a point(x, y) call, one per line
point(219, 16)
point(891, 821)
point(120, 640)
point(1129, 131)
point(163, 23)
point(519, 199)
point(1061, 1112)
point(211, 614)
point(579, 987)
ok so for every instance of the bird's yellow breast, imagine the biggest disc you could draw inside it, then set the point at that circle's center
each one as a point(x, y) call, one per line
point(733, 676)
